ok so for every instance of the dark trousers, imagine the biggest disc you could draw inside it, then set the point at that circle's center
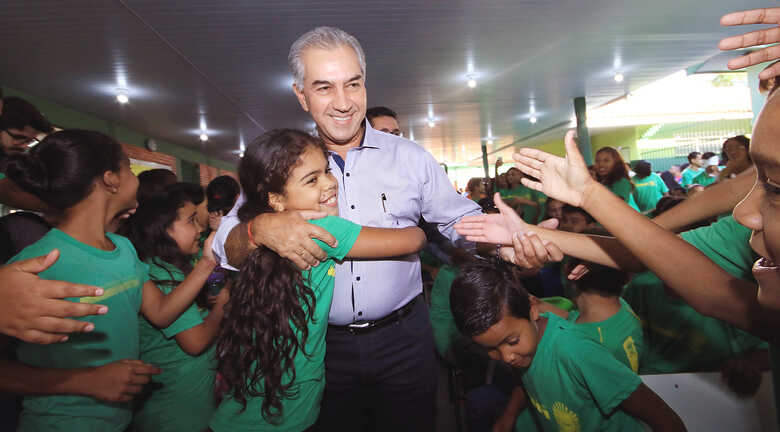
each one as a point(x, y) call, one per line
point(383, 380)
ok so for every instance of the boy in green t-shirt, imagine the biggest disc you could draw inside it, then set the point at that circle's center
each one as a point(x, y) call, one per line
point(694, 168)
point(649, 187)
point(574, 383)
point(530, 204)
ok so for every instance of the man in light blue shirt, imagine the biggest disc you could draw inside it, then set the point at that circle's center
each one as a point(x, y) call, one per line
point(380, 364)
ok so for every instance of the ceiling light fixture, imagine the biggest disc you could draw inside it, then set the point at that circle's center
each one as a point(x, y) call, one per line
point(471, 82)
point(619, 77)
point(532, 119)
point(431, 123)
point(490, 141)
point(121, 97)
point(204, 137)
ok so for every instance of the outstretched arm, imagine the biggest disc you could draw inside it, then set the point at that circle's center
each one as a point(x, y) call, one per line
point(755, 38)
point(647, 406)
point(387, 242)
point(714, 293)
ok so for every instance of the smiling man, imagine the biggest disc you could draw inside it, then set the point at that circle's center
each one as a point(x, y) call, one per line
point(380, 363)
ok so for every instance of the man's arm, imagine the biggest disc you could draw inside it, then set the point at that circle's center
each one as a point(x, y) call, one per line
point(286, 233)
point(644, 404)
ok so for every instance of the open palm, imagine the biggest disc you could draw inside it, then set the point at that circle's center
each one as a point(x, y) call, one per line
point(565, 179)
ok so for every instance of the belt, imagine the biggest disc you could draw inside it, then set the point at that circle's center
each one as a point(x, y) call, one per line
point(364, 326)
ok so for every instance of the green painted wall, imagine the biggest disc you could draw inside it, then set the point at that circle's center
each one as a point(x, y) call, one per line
point(620, 137)
point(68, 117)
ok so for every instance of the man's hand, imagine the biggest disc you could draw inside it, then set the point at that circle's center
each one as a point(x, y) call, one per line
point(31, 309)
point(119, 381)
point(289, 235)
point(754, 38)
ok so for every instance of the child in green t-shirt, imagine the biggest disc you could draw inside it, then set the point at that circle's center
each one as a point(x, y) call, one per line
point(649, 187)
point(612, 172)
point(528, 203)
point(166, 233)
point(573, 382)
point(87, 382)
point(272, 341)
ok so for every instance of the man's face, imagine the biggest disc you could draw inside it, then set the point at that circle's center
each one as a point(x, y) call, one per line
point(386, 124)
point(334, 93)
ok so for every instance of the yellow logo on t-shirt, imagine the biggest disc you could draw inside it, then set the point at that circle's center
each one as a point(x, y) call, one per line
point(332, 271)
point(111, 290)
point(539, 408)
point(566, 419)
point(633, 356)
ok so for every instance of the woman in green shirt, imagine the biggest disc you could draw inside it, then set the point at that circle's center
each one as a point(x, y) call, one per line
point(272, 342)
point(611, 171)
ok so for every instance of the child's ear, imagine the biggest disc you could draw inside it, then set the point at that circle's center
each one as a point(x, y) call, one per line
point(534, 312)
point(276, 201)
point(111, 181)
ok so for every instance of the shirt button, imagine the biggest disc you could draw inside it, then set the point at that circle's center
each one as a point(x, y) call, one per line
point(352, 207)
point(347, 174)
point(357, 278)
point(360, 313)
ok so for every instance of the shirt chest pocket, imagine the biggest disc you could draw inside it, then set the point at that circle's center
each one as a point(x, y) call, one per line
point(400, 210)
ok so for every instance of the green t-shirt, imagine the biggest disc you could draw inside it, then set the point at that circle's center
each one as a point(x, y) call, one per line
point(162, 407)
point(677, 337)
point(688, 175)
point(445, 332)
point(621, 334)
point(623, 189)
point(575, 384)
point(121, 275)
point(704, 179)
point(301, 411)
point(648, 191)
point(531, 214)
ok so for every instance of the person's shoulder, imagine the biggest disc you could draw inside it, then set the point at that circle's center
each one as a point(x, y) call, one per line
point(41, 247)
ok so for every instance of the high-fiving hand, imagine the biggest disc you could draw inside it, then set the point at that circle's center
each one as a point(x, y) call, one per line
point(754, 38)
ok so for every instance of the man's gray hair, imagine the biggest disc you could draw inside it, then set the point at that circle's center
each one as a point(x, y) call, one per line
point(328, 38)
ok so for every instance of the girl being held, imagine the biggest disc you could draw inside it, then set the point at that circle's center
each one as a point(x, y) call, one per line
point(272, 342)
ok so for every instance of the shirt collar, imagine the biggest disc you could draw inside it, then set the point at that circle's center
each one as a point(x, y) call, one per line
point(368, 136)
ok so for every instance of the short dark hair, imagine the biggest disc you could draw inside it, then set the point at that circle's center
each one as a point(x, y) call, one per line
point(18, 113)
point(193, 191)
point(643, 169)
point(221, 194)
point(482, 292)
point(572, 209)
point(693, 155)
point(379, 111)
point(152, 183)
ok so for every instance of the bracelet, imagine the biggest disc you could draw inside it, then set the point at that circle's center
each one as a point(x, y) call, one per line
point(498, 250)
point(251, 237)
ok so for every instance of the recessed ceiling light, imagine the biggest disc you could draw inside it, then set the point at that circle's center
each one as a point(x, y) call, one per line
point(619, 77)
point(204, 137)
point(121, 97)
point(490, 141)
point(532, 119)
point(431, 124)
point(241, 154)
point(471, 82)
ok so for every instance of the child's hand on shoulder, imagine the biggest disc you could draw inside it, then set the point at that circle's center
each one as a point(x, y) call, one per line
point(119, 381)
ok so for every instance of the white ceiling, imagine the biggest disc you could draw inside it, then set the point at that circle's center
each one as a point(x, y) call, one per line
point(225, 62)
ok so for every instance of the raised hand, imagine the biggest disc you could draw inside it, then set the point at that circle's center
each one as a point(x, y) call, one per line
point(754, 38)
point(565, 179)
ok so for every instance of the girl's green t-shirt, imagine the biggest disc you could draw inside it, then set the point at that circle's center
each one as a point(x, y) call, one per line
point(300, 412)
point(121, 275)
point(531, 214)
point(576, 384)
point(624, 190)
point(162, 407)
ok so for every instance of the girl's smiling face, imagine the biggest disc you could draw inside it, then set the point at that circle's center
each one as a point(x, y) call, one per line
point(310, 186)
point(760, 209)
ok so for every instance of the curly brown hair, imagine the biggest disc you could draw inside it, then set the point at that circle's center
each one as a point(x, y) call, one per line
point(270, 302)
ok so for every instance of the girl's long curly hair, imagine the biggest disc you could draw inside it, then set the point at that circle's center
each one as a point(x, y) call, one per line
point(619, 169)
point(269, 303)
